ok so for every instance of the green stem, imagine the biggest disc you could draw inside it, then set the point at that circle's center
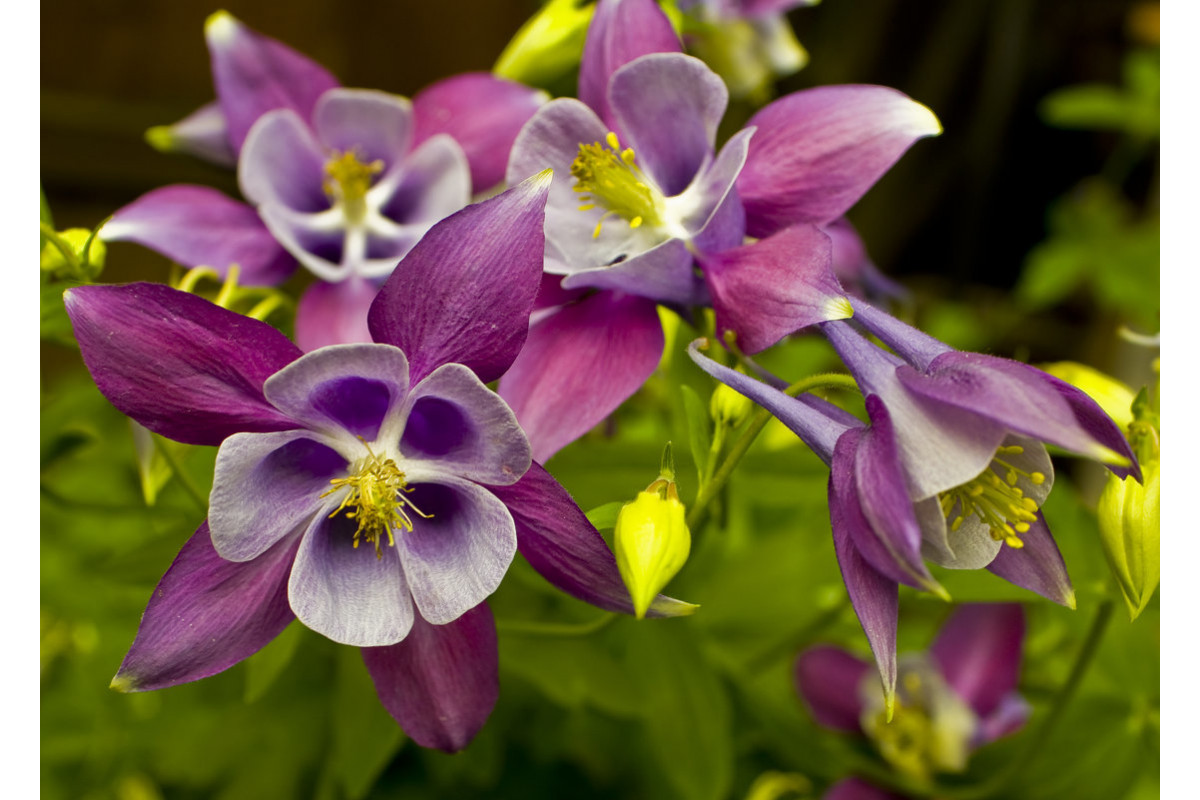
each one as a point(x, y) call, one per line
point(555, 628)
point(757, 423)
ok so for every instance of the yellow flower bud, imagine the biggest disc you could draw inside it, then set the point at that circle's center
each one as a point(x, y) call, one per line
point(729, 407)
point(548, 46)
point(55, 262)
point(1128, 516)
point(1109, 393)
point(651, 541)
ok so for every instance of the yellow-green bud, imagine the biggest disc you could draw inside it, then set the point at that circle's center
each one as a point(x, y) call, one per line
point(652, 542)
point(1109, 393)
point(548, 45)
point(729, 407)
point(88, 265)
point(1128, 516)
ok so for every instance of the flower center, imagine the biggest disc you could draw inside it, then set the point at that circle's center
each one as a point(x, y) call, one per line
point(929, 730)
point(906, 741)
point(347, 180)
point(376, 500)
point(609, 177)
point(997, 501)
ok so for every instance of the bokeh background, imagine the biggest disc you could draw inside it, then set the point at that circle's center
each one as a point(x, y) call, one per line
point(1028, 229)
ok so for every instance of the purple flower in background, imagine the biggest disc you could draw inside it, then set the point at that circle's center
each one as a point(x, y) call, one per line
point(345, 181)
point(951, 468)
point(951, 700)
point(375, 491)
point(642, 198)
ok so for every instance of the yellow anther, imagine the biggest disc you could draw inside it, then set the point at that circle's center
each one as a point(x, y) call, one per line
point(1037, 478)
point(348, 179)
point(635, 222)
point(609, 177)
point(995, 499)
point(611, 138)
point(376, 500)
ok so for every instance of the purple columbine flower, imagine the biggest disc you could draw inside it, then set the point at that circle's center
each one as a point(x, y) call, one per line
point(951, 468)
point(345, 181)
point(951, 700)
point(641, 198)
point(375, 491)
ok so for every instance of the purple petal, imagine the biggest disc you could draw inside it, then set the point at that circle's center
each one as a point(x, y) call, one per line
point(708, 193)
point(818, 151)
point(726, 228)
point(178, 364)
point(775, 286)
point(858, 789)
point(827, 678)
point(196, 225)
point(663, 273)
point(1097, 425)
point(457, 425)
point(1009, 717)
point(579, 364)
point(373, 124)
point(254, 74)
point(207, 614)
point(1018, 396)
point(914, 346)
point(454, 558)
point(978, 651)
point(483, 113)
point(435, 183)
point(819, 430)
point(442, 681)
point(203, 134)
point(550, 140)
point(558, 541)
point(853, 267)
point(875, 598)
point(344, 391)
point(265, 486)
point(464, 293)
point(1038, 566)
point(283, 164)
point(345, 592)
point(334, 313)
point(668, 105)
point(621, 30)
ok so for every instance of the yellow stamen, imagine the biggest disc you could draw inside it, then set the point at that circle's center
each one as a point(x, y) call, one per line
point(994, 498)
point(376, 500)
point(347, 180)
point(609, 177)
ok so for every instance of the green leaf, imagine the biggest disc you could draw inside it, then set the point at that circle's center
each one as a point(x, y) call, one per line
point(267, 664)
point(697, 424)
point(153, 468)
point(605, 517)
point(56, 325)
point(365, 737)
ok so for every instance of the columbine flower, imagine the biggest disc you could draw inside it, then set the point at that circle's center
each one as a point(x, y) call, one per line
point(343, 180)
point(377, 492)
point(955, 698)
point(641, 197)
point(951, 468)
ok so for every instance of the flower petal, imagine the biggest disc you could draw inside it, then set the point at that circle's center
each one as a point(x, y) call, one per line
point(876, 601)
point(334, 313)
point(442, 681)
point(827, 678)
point(483, 113)
point(558, 541)
point(1009, 717)
point(854, 269)
point(283, 164)
point(460, 547)
point(969, 547)
point(345, 592)
point(1018, 396)
point(464, 293)
point(456, 424)
point(818, 151)
point(374, 125)
point(1038, 566)
point(775, 286)
point(178, 364)
point(1097, 425)
point(207, 614)
point(668, 106)
point(254, 74)
point(914, 346)
point(700, 202)
point(265, 486)
point(819, 429)
point(344, 391)
point(663, 273)
point(550, 140)
point(621, 30)
point(196, 225)
point(203, 134)
point(434, 182)
point(579, 364)
point(978, 651)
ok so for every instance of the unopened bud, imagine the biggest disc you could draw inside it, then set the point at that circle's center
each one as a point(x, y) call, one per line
point(729, 407)
point(651, 541)
point(548, 46)
point(83, 262)
point(1128, 515)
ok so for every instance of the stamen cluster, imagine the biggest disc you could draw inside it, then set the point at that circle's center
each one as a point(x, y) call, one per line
point(997, 501)
point(608, 176)
point(377, 500)
point(347, 180)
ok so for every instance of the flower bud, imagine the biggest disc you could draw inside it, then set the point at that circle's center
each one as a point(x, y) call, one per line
point(1128, 517)
point(1109, 393)
point(651, 541)
point(548, 45)
point(88, 259)
point(729, 407)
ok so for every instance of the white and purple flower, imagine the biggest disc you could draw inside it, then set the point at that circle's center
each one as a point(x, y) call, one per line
point(377, 492)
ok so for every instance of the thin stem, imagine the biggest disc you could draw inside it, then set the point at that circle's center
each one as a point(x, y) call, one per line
point(755, 426)
point(556, 628)
point(184, 480)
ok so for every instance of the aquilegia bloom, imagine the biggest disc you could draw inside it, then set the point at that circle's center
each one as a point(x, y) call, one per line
point(951, 467)
point(644, 210)
point(345, 181)
point(955, 698)
point(377, 492)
